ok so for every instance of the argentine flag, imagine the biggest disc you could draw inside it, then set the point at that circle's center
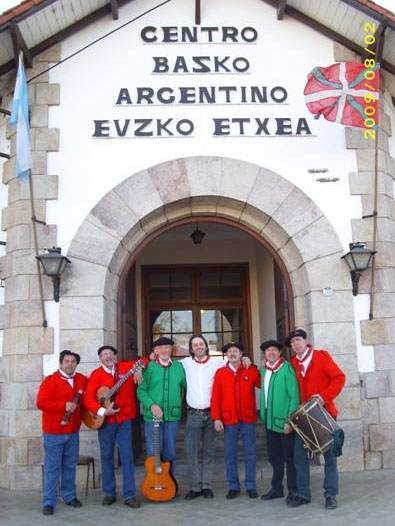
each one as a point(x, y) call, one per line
point(20, 119)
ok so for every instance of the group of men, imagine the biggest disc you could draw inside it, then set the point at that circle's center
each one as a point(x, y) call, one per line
point(220, 397)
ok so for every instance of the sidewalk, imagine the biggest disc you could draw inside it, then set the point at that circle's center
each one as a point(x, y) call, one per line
point(366, 498)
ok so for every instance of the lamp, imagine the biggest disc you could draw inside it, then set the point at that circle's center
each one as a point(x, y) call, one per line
point(54, 264)
point(197, 236)
point(358, 259)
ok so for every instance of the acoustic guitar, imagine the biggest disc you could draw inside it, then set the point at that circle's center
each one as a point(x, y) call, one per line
point(158, 484)
point(104, 397)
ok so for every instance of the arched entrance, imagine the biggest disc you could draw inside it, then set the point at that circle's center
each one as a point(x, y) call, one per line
point(271, 208)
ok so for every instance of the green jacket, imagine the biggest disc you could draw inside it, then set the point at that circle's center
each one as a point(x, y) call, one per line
point(283, 397)
point(162, 386)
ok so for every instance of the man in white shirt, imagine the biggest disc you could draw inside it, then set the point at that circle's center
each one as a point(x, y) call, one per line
point(200, 369)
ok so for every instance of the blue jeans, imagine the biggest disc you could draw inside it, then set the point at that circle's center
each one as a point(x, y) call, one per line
point(248, 435)
point(60, 461)
point(168, 437)
point(199, 429)
point(122, 435)
point(302, 466)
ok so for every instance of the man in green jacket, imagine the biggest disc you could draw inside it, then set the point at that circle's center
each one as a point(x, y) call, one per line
point(279, 398)
point(161, 392)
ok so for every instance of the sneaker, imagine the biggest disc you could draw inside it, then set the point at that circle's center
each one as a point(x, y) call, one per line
point(330, 503)
point(108, 500)
point(298, 501)
point(132, 502)
point(48, 510)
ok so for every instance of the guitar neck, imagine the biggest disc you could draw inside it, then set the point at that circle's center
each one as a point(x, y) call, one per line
point(157, 444)
point(122, 380)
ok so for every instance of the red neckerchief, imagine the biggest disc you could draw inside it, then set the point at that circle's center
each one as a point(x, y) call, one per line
point(231, 369)
point(161, 364)
point(279, 363)
point(202, 361)
point(300, 366)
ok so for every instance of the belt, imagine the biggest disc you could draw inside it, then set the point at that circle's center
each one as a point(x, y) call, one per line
point(193, 410)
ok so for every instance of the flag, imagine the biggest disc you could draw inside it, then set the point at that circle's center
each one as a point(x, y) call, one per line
point(20, 119)
point(338, 93)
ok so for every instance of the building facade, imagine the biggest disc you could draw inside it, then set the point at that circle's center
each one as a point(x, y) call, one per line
point(167, 126)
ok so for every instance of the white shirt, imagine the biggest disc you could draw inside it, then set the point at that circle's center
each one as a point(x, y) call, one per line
point(200, 377)
point(101, 410)
point(268, 376)
point(306, 363)
point(70, 379)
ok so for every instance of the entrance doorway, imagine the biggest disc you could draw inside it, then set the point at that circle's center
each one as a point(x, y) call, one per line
point(211, 299)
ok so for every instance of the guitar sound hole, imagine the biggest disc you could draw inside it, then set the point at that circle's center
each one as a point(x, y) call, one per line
point(158, 470)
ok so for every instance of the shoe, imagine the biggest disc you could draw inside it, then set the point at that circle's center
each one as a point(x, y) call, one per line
point(207, 493)
point(132, 502)
point(252, 493)
point(75, 503)
point(330, 503)
point(192, 494)
point(289, 499)
point(270, 495)
point(48, 510)
point(298, 501)
point(232, 494)
point(108, 500)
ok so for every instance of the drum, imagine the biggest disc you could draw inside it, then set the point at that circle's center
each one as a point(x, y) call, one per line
point(314, 425)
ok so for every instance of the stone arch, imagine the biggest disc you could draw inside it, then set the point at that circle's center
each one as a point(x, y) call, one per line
point(249, 195)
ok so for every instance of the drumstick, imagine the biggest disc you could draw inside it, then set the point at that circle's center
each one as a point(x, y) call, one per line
point(76, 400)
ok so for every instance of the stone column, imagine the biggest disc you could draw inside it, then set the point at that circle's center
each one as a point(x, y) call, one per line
point(25, 338)
point(378, 387)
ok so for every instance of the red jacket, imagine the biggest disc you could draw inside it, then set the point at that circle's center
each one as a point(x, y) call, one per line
point(322, 377)
point(52, 396)
point(124, 398)
point(233, 395)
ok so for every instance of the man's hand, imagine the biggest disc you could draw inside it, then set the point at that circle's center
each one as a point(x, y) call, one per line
point(156, 411)
point(319, 398)
point(110, 411)
point(287, 429)
point(246, 362)
point(138, 377)
point(71, 407)
point(152, 356)
point(218, 425)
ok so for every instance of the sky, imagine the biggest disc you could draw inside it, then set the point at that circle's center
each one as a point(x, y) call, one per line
point(6, 4)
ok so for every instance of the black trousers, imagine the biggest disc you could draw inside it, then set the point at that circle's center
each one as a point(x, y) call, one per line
point(280, 449)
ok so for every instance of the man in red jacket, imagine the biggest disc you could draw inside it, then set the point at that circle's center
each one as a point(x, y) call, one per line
point(233, 410)
point(118, 428)
point(58, 399)
point(318, 377)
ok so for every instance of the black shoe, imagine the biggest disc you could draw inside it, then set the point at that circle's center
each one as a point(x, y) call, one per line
point(48, 510)
point(270, 495)
point(252, 493)
point(132, 502)
point(207, 493)
point(107, 500)
point(75, 503)
point(330, 503)
point(192, 494)
point(232, 494)
point(298, 501)
point(289, 499)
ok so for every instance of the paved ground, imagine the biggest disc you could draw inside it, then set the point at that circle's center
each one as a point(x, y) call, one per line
point(367, 498)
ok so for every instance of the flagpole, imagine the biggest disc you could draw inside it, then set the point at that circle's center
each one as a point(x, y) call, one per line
point(374, 213)
point(34, 223)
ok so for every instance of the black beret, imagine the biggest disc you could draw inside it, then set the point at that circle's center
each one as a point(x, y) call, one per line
point(109, 347)
point(271, 343)
point(293, 334)
point(239, 345)
point(162, 341)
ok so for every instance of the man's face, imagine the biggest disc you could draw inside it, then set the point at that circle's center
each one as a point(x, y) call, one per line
point(272, 354)
point(298, 345)
point(198, 347)
point(69, 364)
point(108, 358)
point(164, 352)
point(234, 355)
